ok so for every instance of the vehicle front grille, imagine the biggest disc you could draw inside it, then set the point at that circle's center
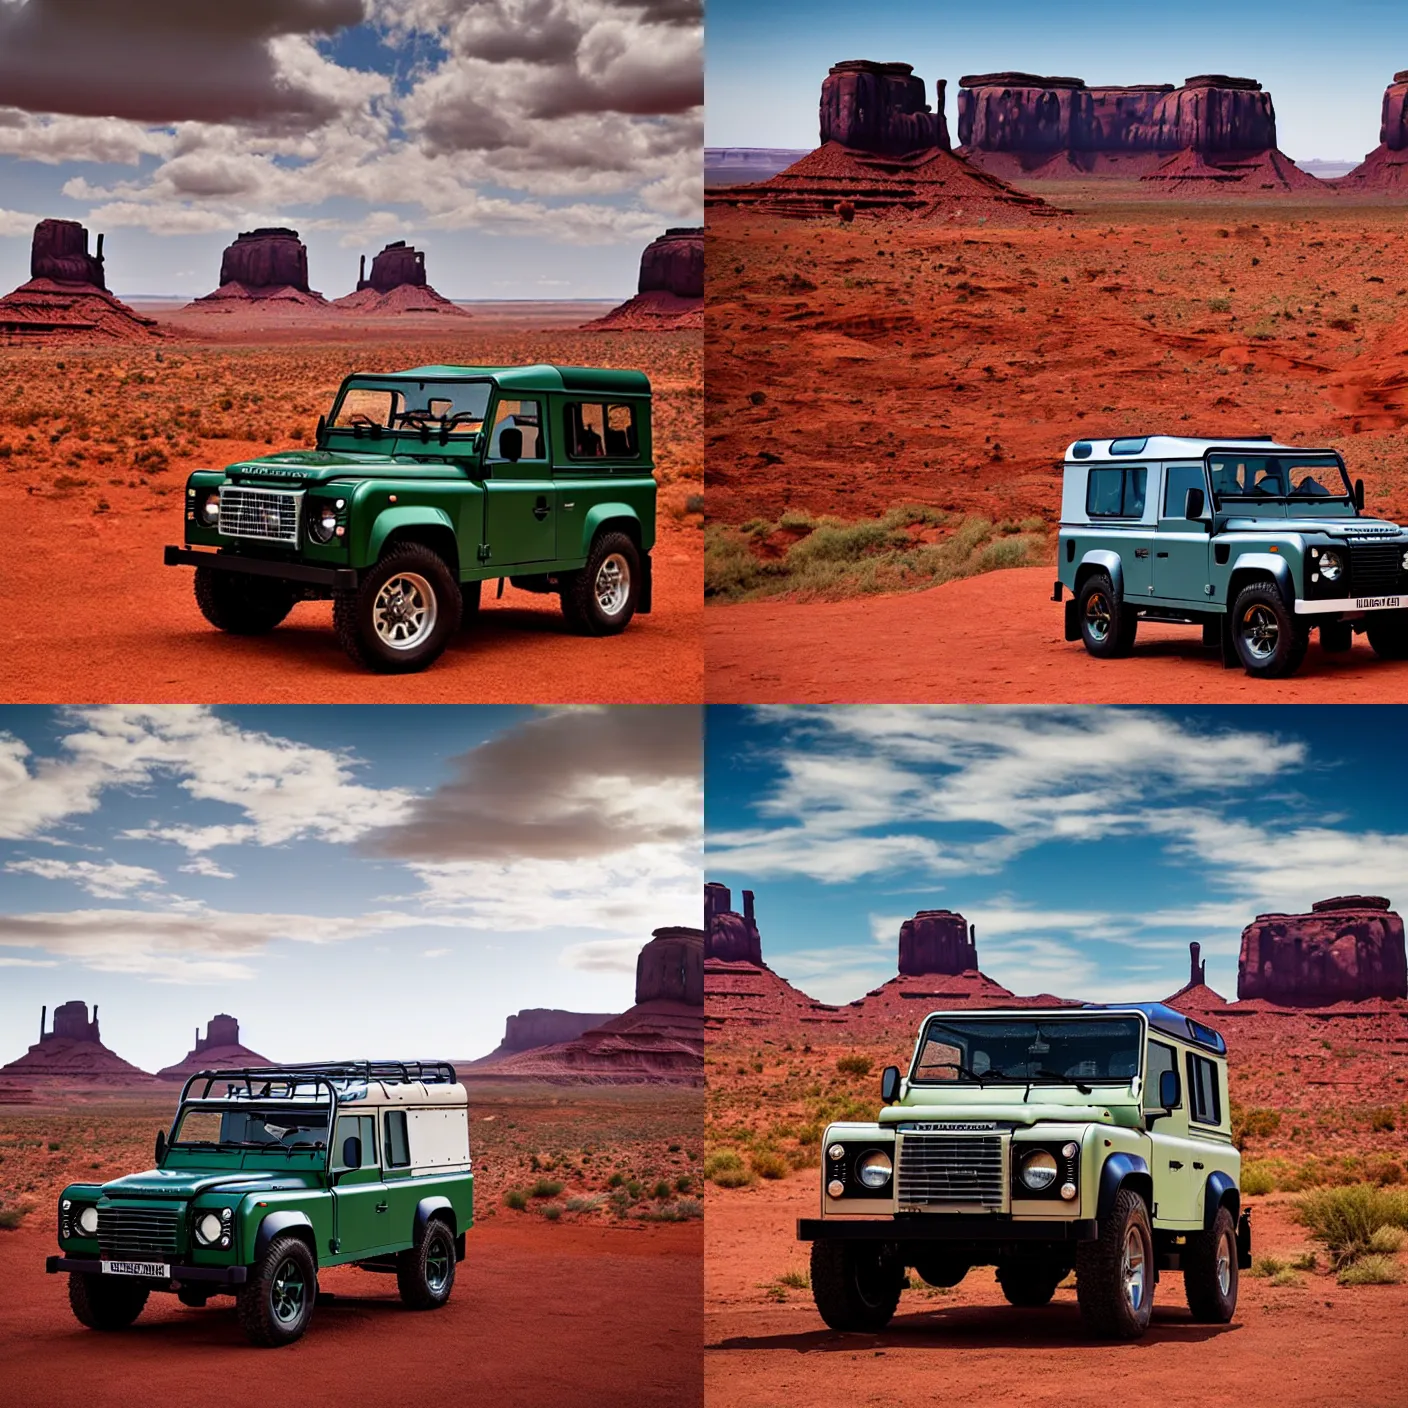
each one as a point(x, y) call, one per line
point(269, 514)
point(1376, 569)
point(940, 1169)
point(138, 1234)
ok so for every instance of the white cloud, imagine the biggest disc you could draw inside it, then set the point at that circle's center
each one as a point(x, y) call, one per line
point(104, 879)
point(602, 956)
point(204, 866)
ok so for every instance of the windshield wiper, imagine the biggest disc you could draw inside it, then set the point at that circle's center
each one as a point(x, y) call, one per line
point(1080, 1085)
point(955, 1066)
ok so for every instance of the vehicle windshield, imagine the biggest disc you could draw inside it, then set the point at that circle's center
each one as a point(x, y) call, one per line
point(455, 409)
point(258, 1127)
point(1286, 475)
point(1038, 1050)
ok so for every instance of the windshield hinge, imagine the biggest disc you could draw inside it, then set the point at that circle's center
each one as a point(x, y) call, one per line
point(484, 552)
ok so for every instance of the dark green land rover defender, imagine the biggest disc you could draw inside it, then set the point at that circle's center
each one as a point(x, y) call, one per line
point(425, 484)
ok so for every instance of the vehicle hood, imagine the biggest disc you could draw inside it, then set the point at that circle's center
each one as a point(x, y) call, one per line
point(1027, 1114)
point(189, 1183)
point(294, 468)
point(1372, 529)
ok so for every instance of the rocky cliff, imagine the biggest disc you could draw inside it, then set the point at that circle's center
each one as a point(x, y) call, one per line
point(220, 1049)
point(670, 288)
point(1346, 949)
point(397, 284)
point(881, 108)
point(72, 1053)
point(937, 941)
point(670, 967)
point(268, 264)
point(1386, 167)
point(397, 264)
point(729, 936)
point(59, 251)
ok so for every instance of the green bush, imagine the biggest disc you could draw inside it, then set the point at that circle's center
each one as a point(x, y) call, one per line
point(1386, 1241)
point(516, 1199)
point(10, 1218)
point(616, 1179)
point(768, 1163)
point(545, 1188)
point(1257, 1179)
point(727, 1169)
point(854, 1065)
point(552, 1212)
point(1267, 1266)
point(1371, 1270)
point(797, 1280)
point(1345, 1219)
point(1285, 1277)
point(1383, 1121)
point(661, 1190)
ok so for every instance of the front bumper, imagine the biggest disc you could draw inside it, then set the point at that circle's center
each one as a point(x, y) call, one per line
point(1349, 604)
point(941, 1227)
point(224, 1275)
point(336, 578)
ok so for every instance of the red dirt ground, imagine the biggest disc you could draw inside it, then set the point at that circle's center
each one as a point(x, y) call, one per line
point(998, 638)
point(94, 449)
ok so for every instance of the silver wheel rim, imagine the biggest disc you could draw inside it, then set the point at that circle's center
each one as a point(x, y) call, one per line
point(404, 611)
point(286, 1298)
point(1132, 1269)
point(437, 1266)
point(1260, 631)
point(613, 584)
point(1097, 616)
point(1224, 1266)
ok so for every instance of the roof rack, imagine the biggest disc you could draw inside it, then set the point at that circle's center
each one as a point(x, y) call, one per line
point(284, 1082)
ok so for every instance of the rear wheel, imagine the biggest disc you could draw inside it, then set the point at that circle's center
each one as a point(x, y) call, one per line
point(241, 605)
point(1269, 639)
point(105, 1302)
point(600, 599)
point(425, 1273)
point(1115, 1272)
point(1027, 1284)
point(856, 1285)
point(1388, 634)
point(1210, 1271)
point(1107, 625)
point(276, 1303)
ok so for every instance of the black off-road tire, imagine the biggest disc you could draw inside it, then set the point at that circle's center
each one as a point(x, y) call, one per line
point(434, 590)
point(1388, 634)
point(241, 605)
point(105, 1302)
point(856, 1285)
point(1211, 1287)
point(471, 594)
point(1105, 1306)
point(263, 1301)
point(1269, 638)
point(425, 1272)
point(1107, 625)
point(583, 592)
point(1028, 1284)
point(1336, 637)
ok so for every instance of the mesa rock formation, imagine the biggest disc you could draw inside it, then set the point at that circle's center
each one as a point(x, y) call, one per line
point(268, 264)
point(72, 1052)
point(536, 1027)
point(1386, 167)
point(670, 289)
point(397, 284)
point(938, 941)
point(1346, 949)
point(218, 1050)
point(730, 937)
point(66, 297)
point(884, 151)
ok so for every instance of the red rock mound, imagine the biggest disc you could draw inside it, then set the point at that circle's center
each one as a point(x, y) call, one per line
point(536, 1027)
point(880, 108)
point(1386, 167)
point(670, 289)
point(398, 284)
point(267, 265)
point(73, 1054)
point(219, 1049)
point(1198, 173)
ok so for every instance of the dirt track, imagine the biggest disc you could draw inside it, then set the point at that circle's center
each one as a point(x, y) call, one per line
point(997, 638)
point(550, 1314)
point(1310, 1344)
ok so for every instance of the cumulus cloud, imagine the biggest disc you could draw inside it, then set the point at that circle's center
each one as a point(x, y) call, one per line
point(103, 879)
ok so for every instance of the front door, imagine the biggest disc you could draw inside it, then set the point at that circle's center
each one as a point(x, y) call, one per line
point(1173, 1153)
point(1182, 546)
point(362, 1226)
point(520, 499)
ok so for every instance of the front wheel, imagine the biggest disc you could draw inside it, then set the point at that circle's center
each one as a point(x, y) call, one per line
point(1388, 634)
point(600, 599)
point(1269, 639)
point(856, 1285)
point(402, 616)
point(105, 1302)
point(1210, 1271)
point(425, 1273)
point(1115, 1272)
point(1107, 625)
point(276, 1303)
point(241, 605)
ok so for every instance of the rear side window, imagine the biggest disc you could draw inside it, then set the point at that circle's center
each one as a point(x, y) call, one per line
point(1181, 478)
point(1116, 492)
point(599, 430)
point(1205, 1104)
point(398, 1150)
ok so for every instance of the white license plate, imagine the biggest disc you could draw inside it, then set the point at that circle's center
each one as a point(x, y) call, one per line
point(154, 1269)
point(1378, 603)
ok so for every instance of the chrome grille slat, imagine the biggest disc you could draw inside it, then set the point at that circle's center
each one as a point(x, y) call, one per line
point(138, 1234)
point(270, 515)
point(939, 1169)
point(1375, 569)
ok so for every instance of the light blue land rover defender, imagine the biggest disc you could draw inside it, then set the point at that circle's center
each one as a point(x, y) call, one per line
point(1255, 542)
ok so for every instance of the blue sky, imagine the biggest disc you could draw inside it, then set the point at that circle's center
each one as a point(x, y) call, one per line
point(1326, 66)
point(1088, 845)
point(532, 148)
point(347, 881)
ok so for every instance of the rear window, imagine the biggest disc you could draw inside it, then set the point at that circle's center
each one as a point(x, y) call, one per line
point(1116, 492)
point(398, 1153)
point(601, 430)
point(1205, 1105)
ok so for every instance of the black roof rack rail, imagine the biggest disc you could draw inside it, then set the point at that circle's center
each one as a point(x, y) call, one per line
point(283, 1082)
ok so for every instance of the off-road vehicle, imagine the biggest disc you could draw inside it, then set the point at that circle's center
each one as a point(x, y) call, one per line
point(1087, 1139)
point(270, 1174)
point(1255, 542)
point(423, 485)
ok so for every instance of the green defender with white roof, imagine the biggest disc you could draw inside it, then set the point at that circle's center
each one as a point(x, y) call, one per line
point(1254, 541)
point(423, 485)
point(1087, 1139)
point(268, 1175)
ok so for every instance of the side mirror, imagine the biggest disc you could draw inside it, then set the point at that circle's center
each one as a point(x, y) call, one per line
point(890, 1084)
point(511, 443)
point(1359, 495)
point(1170, 1091)
point(1194, 502)
point(352, 1152)
point(160, 1145)
point(321, 432)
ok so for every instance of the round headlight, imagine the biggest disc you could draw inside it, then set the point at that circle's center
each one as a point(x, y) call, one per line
point(1070, 1150)
point(322, 523)
point(835, 1188)
point(1038, 1170)
point(88, 1221)
point(1068, 1191)
point(210, 510)
point(1331, 568)
point(208, 1228)
point(836, 1151)
point(874, 1169)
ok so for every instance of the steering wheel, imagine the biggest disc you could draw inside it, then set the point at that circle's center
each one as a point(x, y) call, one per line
point(357, 418)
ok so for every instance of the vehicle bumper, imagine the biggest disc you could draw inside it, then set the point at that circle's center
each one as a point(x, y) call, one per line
point(335, 578)
point(223, 1275)
point(940, 1227)
point(1351, 604)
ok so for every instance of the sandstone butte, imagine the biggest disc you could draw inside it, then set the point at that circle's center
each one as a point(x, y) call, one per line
point(1215, 133)
point(670, 290)
point(397, 284)
point(72, 1053)
point(219, 1049)
point(266, 265)
point(883, 151)
point(66, 298)
point(660, 1038)
point(1386, 167)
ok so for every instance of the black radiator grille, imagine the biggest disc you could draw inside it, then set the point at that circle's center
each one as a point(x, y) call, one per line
point(1376, 569)
point(138, 1234)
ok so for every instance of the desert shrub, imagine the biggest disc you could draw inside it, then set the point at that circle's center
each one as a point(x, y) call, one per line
point(1371, 1270)
point(1257, 1179)
point(727, 1169)
point(684, 1184)
point(768, 1163)
point(1219, 305)
point(616, 1179)
point(1306, 1261)
point(1386, 1241)
point(854, 1065)
point(10, 1218)
point(1267, 1265)
point(1384, 1171)
point(1345, 1219)
point(516, 1198)
point(797, 1280)
point(545, 1188)
point(1285, 1277)
point(583, 1204)
point(1383, 1121)
point(1253, 1124)
point(552, 1212)
point(661, 1191)
point(633, 1187)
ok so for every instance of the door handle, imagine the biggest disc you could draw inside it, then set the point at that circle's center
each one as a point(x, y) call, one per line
point(1196, 1164)
point(381, 1207)
point(1173, 1163)
point(1160, 554)
point(540, 510)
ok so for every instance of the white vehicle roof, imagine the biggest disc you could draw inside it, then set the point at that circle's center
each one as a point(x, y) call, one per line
point(1172, 447)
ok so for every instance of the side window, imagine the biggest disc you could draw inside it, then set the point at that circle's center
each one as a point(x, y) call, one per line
point(1116, 492)
point(361, 1127)
point(398, 1151)
point(622, 442)
point(526, 418)
point(586, 430)
point(1161, 1058)
point(1205, 1105)
point(1181, 478)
